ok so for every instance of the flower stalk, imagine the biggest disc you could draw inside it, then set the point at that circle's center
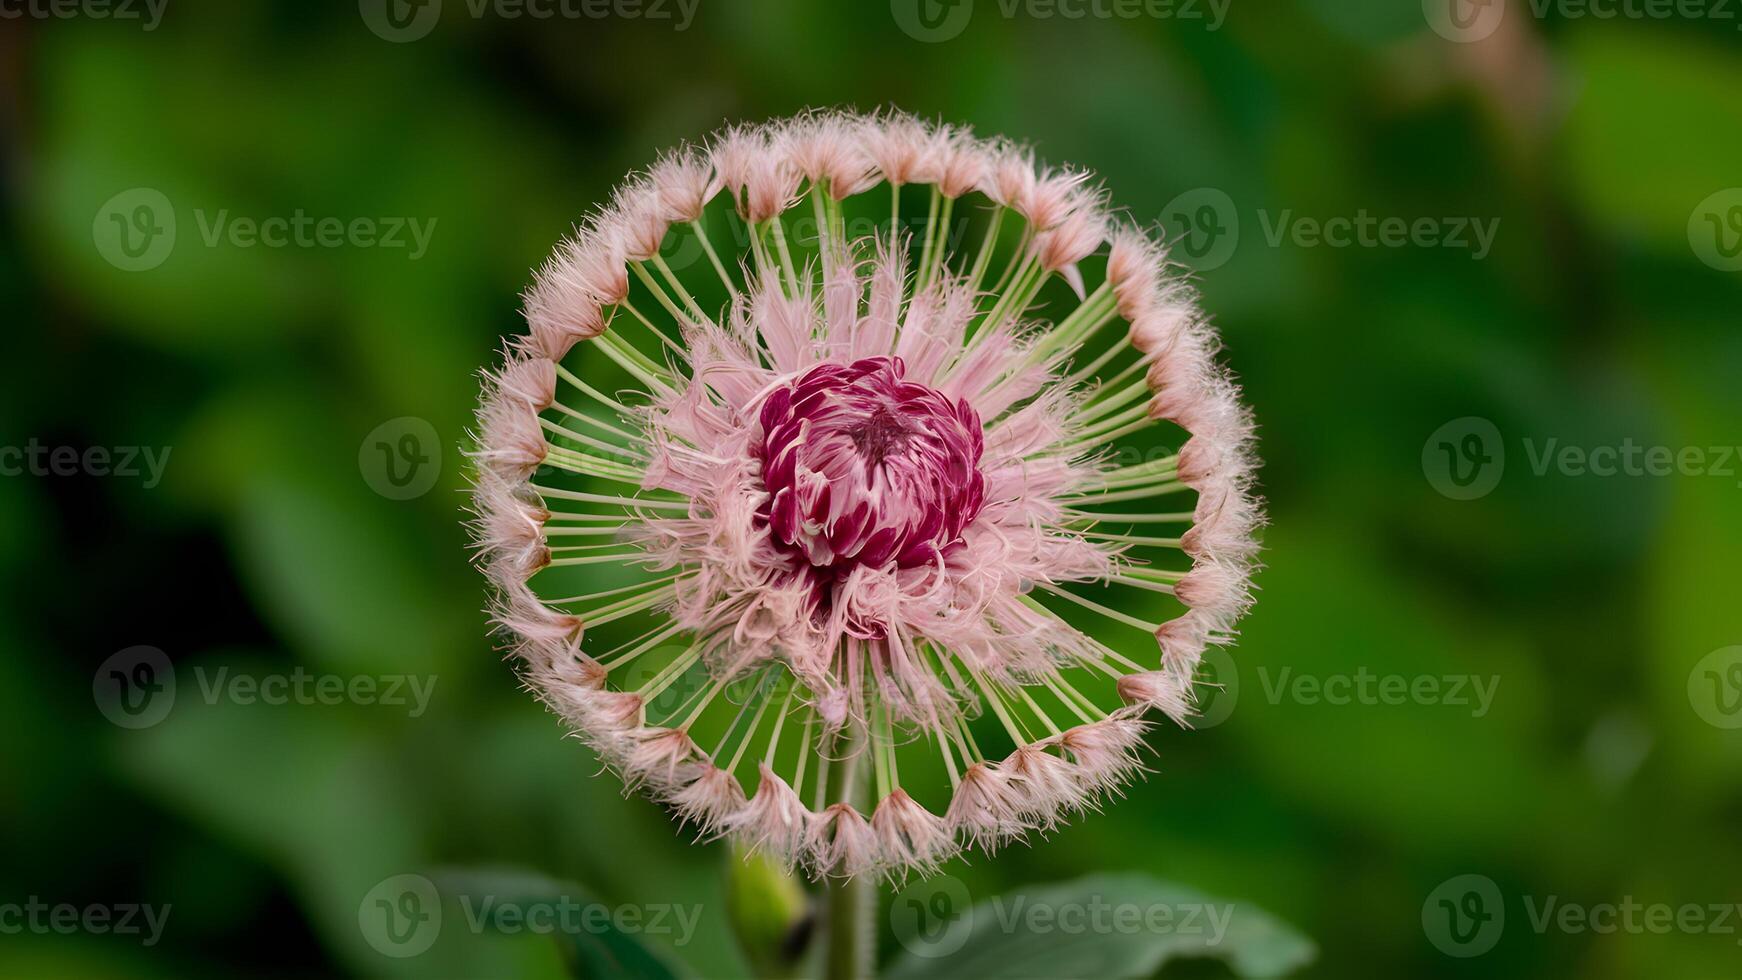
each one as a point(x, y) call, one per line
point(850, 904)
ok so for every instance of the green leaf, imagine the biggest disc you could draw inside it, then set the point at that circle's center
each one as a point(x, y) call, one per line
point(1111, 925)
point(513, 901)
point(326, 772)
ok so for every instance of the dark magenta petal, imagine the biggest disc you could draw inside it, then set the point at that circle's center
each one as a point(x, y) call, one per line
point(901, 463)
point(847, 534)
point(923, 553)
point(776, 408)
point(783, 518)
point(879, 547)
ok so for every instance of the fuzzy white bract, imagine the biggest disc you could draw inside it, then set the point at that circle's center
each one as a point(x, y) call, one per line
point(848, 481)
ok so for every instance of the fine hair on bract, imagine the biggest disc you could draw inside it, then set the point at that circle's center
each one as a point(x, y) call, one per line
point(860, 487)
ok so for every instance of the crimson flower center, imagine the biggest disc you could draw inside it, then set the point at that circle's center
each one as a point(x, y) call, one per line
point(864, 467)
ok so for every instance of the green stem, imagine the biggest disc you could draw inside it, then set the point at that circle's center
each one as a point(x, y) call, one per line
point(837, 219)
point(823, 228)
point(986, 245)
point(931, 222)
point(678, 286)
point(849, 904)
point(1020, 255)
point(943, 241)
point(778, 232)
point(714, 257)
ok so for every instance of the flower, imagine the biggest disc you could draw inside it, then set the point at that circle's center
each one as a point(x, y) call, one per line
point(846, 542)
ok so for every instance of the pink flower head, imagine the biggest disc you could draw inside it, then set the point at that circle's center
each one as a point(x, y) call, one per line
point(762, 180)
point(828, 151)
point(903, 148)
point(683, 184)
point(769, 527)
point(962, 161)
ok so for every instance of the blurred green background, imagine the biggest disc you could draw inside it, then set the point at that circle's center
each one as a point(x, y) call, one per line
point(1605, 314)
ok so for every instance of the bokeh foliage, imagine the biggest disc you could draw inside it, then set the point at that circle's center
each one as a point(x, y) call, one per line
point(264, 548)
